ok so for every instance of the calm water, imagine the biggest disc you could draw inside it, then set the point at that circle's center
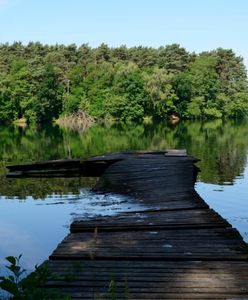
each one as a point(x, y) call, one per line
point(35, 214)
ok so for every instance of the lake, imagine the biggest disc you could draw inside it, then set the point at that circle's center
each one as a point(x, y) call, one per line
point(35, 214)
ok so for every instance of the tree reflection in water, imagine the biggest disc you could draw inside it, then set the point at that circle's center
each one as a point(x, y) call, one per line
point(220, 145)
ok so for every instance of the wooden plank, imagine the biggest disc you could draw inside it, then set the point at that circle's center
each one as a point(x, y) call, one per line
point(178, 280)
point(168, 266)
point(168, 201)
point(157, 219)
point(164, 269)
point(99, 295)
point(121, 292)
point(151, 175)
point(60, 168)
point(207, 285)
point(152, 153)
point(105, 158)
point(150, 245)
point(45, 164)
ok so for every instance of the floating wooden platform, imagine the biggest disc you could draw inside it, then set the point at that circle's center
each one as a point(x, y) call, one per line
point(173, 247)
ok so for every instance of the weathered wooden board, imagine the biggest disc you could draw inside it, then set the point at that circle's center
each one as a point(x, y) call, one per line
point(158, 175)
point(92, 167)
point(60, 168)
point(153, 220)
point(150, 280)
point(184, 244)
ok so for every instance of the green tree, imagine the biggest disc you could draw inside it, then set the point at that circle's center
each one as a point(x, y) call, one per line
point(96, 87)
point(7, 106)
point(102, 53)
point(174, 58)
point(20, 85)
point(128, 85)
point(231, 71)
point(15, 91)
point(238, 106)
point(48, 102)
point(120, 54)
point(205, 87)
point(161, 96)
point(182, 86)
point(143, 57)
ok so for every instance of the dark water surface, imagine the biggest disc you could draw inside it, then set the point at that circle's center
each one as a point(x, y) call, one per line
point(35, 214)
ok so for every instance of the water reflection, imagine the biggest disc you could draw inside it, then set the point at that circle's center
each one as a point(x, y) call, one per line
point(35, 213)
point(221, 146)
point(230, 201)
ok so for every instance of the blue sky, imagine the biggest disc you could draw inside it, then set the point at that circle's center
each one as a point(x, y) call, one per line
point(197, 25)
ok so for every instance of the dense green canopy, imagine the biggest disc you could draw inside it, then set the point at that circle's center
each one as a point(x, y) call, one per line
point(41, 82)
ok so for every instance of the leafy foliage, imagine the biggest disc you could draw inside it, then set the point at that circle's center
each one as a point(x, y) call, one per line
point(22, 287)
point(41, 82)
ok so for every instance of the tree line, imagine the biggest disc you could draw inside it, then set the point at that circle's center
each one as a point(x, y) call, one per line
point(43, 82)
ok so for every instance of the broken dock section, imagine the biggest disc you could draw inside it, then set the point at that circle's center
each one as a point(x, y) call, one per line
point(173, 247)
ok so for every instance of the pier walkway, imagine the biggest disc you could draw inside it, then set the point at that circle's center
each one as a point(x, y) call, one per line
point(173, 247)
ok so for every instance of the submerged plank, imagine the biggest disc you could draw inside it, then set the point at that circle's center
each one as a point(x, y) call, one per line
point(152, 220)
point(61, 168)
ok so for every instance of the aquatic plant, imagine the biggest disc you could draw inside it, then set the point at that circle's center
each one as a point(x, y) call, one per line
point(20, 286)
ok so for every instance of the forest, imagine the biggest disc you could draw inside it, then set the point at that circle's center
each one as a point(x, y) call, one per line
point(40, 83)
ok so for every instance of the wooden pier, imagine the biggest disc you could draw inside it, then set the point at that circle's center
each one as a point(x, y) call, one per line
point(173, 247)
